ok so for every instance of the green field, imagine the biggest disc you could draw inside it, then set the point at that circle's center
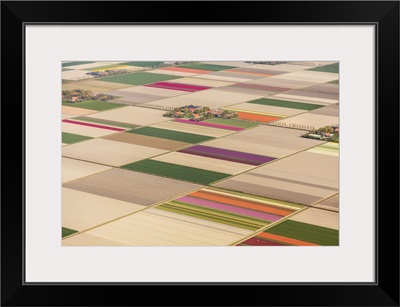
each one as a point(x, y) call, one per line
point(286, 104)
point(106, 122)
point(334, 82)
point(231, 122)
point(191, 174)
point(306, 232)
point(171, 135)
point(67, 231)
point(70, 138)
point(144, 64)
point(218, 216)
point(94, 105)
point(139, 78)
point(334, 68)
point(210, 67)
point(76, 63)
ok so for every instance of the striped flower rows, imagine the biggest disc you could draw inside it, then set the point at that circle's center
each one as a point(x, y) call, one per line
point(231, 208)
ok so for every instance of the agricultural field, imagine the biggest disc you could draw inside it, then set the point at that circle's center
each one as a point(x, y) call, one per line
point(208, 153)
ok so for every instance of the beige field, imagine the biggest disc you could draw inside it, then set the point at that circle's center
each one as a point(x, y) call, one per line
point(307, 99)
point(154, 91)
point(212, 98)
point(223, 78)
point(309, 119)
point(312, 63)
point(154, 227)
point(75, 75)
point(192, 128)
point(284, 83)
point(81, 210)
point(270, 110)
point(310, 76)
point(318, 217)
point(280, 67)
point(85, 130)
point(71, 111)
point(206, 163)
point(132, 138)
point(94, 86)
point(109, 152)
point(265, 140)
point(91, 65)
point(202, 82)
point(133, 187)
point(302, 178)
point(332, 203)
point(132, 115)
point(229, 63)
point(73, 169)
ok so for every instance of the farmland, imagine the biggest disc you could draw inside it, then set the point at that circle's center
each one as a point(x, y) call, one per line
point(138, 171)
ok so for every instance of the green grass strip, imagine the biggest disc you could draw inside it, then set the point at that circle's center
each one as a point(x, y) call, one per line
point(76, 63)
point(67, 231)
point(171, 135)
point(144, 64)
point(232, 122)
point(306, 232)
point(334, 82)
point(139, 78)
point(175, 171)
point(213, 215)
point(286, 104)
point(333, 68)
point(70, 138)
point(106, 122)
point(94, 105)
point(204, 66)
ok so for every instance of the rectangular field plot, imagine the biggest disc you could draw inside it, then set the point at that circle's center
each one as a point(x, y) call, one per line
point(94, 105)
point(133, 187)
point(265, 140)
point(254, 89)
point(145, 140)
point(309, 76)
point(72, 111)
point(178, 86)
point(236, 123)
point(203, 82)
point(93, 85)
point(87, 129)
point(227, 155)
point(204, 66)
point(175, 171)
point(318, 217)
point(69, 138)
point(285, 104)
point(305, 178)
point(155, 227)
point(264, 110)
point(82, 210)
point(75, 75)
point(205, 163)
point(294, 233)
point(74, 169)
point(159, 92)
point(132, 115)
point(171, 135)
point(108, 152)
point(138, 78)
point(230, 208)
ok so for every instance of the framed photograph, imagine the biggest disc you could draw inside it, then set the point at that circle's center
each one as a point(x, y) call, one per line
point(159, 153)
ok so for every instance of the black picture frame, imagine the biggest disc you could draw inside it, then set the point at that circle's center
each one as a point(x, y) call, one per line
point(383, 14)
